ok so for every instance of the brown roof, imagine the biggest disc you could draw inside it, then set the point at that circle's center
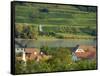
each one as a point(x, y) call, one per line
point(31, 53)
point(31, 50)
point(87, 47)
point(90, 51)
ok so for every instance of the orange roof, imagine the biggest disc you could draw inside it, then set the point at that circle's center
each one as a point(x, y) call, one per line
point(87, 47)
point(90, 51)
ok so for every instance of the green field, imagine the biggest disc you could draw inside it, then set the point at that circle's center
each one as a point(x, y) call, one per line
point(55, 15)
point(64, 19)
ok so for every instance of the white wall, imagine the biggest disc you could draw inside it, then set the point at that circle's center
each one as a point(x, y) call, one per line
point(5, 38)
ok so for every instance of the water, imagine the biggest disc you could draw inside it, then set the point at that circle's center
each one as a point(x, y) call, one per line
point(54, 43)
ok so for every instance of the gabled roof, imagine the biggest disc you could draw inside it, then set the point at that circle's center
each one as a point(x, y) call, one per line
point(84, 47)
point(90, 51)
point(87, 47)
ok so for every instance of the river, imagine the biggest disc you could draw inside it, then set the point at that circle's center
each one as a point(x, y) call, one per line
point(53, 43)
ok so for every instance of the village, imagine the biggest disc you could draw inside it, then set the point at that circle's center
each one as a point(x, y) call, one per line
point(79, 52)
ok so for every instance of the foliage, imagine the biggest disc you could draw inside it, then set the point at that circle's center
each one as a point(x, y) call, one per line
point(45, 10)
point(26, 32)
point(70, 30)
point(61, 61)
point(86, 8)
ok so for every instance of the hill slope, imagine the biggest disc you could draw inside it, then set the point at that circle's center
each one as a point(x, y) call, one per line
point(49, 14)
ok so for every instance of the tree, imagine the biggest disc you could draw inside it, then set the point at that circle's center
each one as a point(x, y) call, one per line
point(18, 30)
point(44, 10)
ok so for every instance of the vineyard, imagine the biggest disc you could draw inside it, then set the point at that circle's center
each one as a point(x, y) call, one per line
point(58, 28)
point(55, 19)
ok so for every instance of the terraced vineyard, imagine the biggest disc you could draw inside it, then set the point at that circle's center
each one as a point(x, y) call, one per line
point(48, 14)
point(65, 19)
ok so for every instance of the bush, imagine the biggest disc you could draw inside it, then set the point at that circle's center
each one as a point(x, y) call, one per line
point(26, 31)
point(61, 61)
point(45, 10)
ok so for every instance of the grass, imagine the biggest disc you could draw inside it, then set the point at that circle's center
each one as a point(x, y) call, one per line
point(66, 36)
point(56, 32)
point(73, 36)
point(46, 38)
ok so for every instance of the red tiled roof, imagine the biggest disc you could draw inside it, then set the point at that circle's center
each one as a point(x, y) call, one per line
point(31, 50)
point(90, 52)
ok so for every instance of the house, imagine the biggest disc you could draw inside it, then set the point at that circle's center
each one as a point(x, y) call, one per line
point(19, 50)
point(32, 54)
point(20, 55)
point(85, 51)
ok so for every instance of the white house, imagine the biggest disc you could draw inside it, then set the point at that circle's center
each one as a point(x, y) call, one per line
point(19, 49)
point(22, 50)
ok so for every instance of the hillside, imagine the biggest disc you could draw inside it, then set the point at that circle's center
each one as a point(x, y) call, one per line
point(48, 14)
point(57, 21)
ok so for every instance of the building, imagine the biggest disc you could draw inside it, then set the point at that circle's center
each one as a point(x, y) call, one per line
point(32, 54)
point(85, 51)
point(19, 50)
